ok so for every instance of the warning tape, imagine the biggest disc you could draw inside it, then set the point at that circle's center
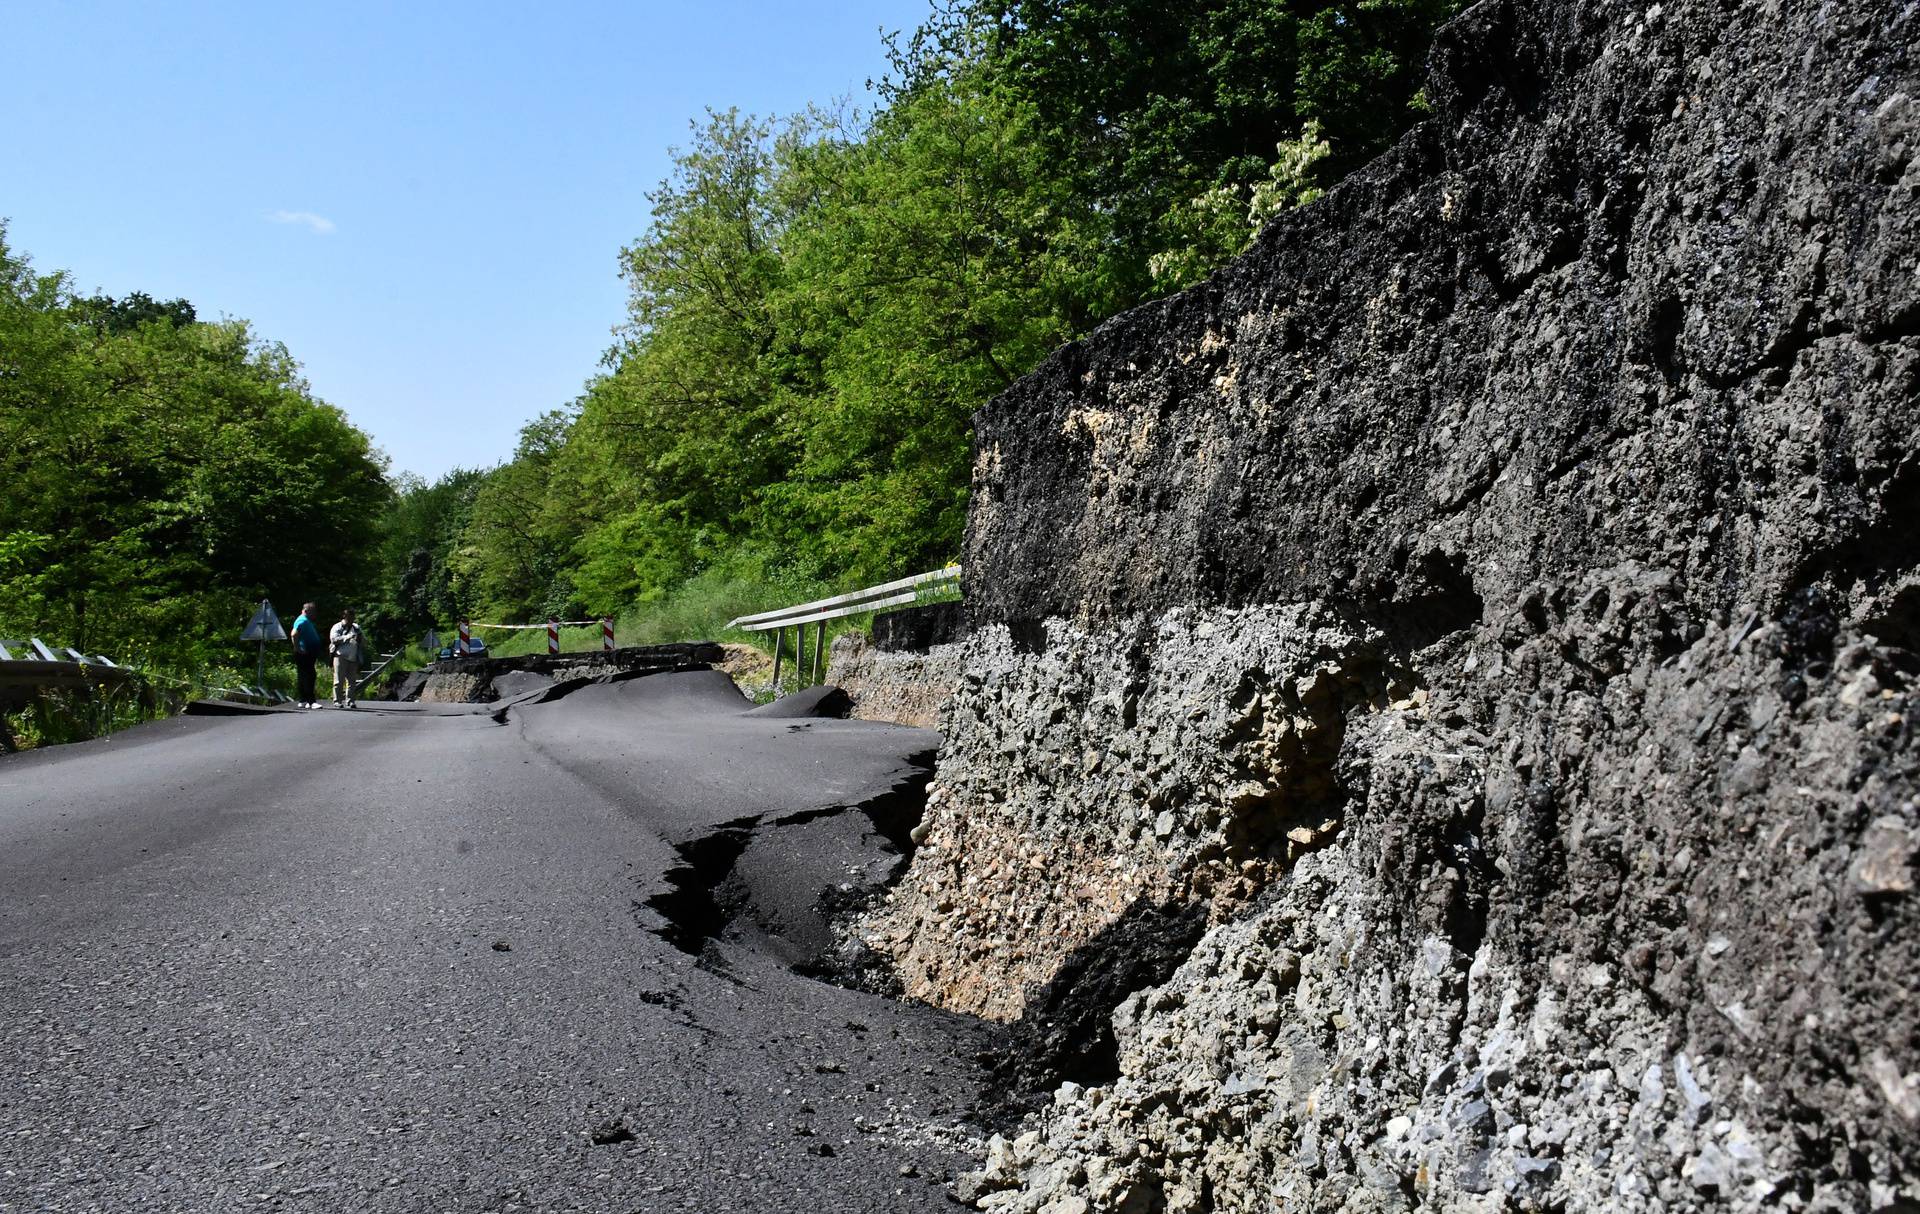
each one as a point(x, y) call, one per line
point(538, 627)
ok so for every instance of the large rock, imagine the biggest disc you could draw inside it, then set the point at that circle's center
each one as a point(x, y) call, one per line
point(1439, 721)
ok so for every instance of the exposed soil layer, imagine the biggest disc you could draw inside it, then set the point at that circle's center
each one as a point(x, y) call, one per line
point(902, 685)
point(1488, 612)
point(919, 629)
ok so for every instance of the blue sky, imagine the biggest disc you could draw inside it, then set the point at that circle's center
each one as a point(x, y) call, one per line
point(424, 202)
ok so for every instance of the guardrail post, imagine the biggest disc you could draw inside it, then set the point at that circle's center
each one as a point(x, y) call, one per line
point(897, 593)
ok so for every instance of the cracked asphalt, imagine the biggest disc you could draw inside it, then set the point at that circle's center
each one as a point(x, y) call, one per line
point(403, 959)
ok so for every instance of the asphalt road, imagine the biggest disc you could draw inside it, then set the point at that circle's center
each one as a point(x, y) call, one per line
point(412, 958)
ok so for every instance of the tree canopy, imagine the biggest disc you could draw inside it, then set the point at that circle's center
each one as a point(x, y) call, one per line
point(163, 474)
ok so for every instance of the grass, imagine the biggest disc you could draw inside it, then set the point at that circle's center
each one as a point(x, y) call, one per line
point(700, 608)
point(505, 644)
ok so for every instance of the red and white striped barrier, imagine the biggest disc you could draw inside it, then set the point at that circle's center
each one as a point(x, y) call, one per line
point(553, 627)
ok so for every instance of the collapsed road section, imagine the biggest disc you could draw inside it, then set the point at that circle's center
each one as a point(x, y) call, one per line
point(388, 960)
point(483, 680)
point(832, 803)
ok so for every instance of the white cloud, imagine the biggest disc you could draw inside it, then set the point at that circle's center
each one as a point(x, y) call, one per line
point(319, 224)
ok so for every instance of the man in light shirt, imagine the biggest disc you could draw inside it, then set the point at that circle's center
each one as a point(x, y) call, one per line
point(348, 646)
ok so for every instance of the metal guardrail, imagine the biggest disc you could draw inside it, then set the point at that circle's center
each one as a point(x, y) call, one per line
point(32, 666)
point(29, 667)
point(874, 598)
point(888, 594)
point(386, 660)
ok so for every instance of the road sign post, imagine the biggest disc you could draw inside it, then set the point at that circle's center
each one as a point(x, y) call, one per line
point(263, 627)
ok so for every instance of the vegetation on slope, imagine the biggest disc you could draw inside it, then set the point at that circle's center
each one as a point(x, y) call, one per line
point(820, 303)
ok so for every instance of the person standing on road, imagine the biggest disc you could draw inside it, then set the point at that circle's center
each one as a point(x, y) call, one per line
point(306, 653)
point(348, 646)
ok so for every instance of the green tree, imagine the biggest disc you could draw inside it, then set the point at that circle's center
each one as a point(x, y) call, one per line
point(1163, 112)
point(938, 260)
point(513, 557)
point(674, 445)
point(163, 474)
point(421, 533)
point(129, 313)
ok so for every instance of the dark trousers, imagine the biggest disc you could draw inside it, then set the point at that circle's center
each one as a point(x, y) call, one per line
point(304, 663)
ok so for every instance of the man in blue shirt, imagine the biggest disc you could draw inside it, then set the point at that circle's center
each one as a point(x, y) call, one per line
point(307, 647)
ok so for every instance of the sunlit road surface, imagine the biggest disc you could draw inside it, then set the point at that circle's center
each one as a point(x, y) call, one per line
point(401, 959)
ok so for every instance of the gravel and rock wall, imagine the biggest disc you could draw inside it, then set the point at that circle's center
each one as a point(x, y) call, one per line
point(1438, 730)
point(906, 670)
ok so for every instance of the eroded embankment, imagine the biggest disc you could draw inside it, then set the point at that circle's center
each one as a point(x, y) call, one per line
point(906, 669)
point(1446, 682)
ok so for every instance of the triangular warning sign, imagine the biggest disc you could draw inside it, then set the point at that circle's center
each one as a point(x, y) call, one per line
point(264, 626)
